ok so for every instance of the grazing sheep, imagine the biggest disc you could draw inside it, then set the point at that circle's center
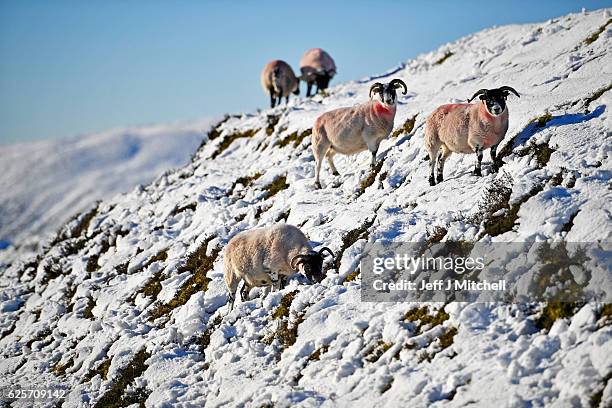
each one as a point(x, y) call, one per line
point(261, 256)
point(356, 129)
point(467, 128)
point(317, 67)
point(278, 80)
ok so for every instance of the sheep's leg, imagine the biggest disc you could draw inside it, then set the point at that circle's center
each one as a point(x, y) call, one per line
point(244, 292)
point(232, 285)
point(477, 169)
point(272, 98)
point(432, 144)
point(320, 149)
point(308, 88)
point(496, 162)
point(330, 160)
point(274, 277)
point(287, 100)
point(373, 148)
point(442, 156)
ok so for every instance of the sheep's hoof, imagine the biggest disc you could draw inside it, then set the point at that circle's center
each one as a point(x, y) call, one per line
point(317, 185)
point(335, 173)
point(477, 172)
point(440, 179)
point(432, 181)
point(496, 166)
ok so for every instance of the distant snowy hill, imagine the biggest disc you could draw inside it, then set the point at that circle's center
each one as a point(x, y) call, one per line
point(44, 183)
point(126, 304)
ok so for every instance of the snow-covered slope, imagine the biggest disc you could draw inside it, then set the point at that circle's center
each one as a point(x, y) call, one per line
point(45, 183)
point(125, 305)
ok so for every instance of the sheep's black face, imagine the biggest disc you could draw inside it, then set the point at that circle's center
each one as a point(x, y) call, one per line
point(388, 92)
point(323, 81)
point(495, 99)
point(312, 266)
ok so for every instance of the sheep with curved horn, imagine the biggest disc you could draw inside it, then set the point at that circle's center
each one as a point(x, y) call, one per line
point(355, 129)
point(264, 256)
point(467, 128)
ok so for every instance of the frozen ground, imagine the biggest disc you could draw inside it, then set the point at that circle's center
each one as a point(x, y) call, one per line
point(45, 183)
point(126, 303)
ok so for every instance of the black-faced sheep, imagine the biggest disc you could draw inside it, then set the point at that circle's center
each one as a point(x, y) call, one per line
point(467, 128)
point(355, 129)
point(263, 256)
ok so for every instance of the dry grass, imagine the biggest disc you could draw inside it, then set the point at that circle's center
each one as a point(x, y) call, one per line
point(593, 37)
point(199, 264)
point(553, 311)
point(229, 139)
point(116, 396)
point(295, 138)
point(446, 56)
point(279, 184)
point(406, 128)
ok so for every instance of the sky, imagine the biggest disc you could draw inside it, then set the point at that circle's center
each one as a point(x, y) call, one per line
point(69, 68)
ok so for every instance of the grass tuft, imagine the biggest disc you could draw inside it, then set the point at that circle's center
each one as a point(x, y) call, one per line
point(316, 355)
point(352, 276)
point(246, 181)
point(370, 178)
point(295, 138)
point(421, 318)
point(101, 369)
point(204, 340)
point(542, 120)
point(376, 352)
point(279, 184)
point(177, 210)
point(285, 333)
point(596, 95)
point(60, 369)
point(446, 56)
point(116, 396)
point(593, 37)
point(228, 139)
point(553, 311)
point(87, 312)
point(353, 236)
point(406, 128)
point(199, 264)
point(283, 308)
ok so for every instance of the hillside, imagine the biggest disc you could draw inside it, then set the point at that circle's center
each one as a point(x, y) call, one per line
point(44, 183)
point(126, 304)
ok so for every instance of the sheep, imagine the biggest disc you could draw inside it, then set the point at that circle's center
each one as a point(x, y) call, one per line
point(355, 129)
point(467, 128)
point(317, 67)
point(278, 80)
point(261, 256)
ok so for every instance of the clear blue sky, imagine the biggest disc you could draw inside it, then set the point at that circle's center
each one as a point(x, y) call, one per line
point(74, 67)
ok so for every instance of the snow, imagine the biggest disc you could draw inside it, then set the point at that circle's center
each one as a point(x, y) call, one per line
point(346, 352)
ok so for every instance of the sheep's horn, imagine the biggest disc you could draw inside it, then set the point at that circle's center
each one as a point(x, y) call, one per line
point(480, 91)
point(509, 88)
point(326, 249)
point(396, 83)
point(299, 259)
point(376, 87)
